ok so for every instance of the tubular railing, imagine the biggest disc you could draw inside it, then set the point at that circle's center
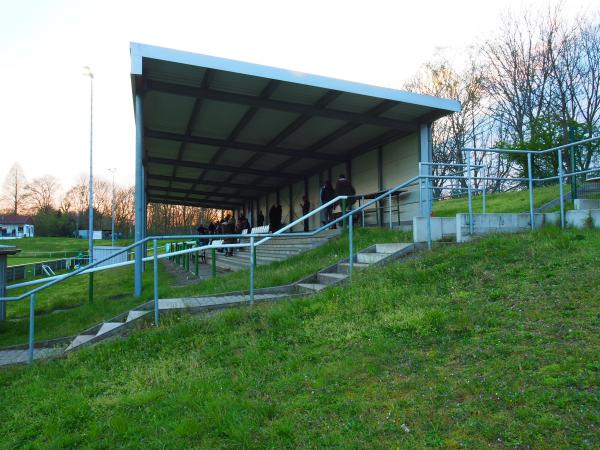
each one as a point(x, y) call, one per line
point(345, 217)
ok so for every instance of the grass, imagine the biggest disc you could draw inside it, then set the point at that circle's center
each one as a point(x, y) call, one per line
point(489, 344)
point(63, 309)
point(503, 202)
point(45, 248)
point(20, 260)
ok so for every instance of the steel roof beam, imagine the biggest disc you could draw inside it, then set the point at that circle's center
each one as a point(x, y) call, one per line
point(221, 168)
point(195, 192)
point(279, 105)
point(193, 181)
point(226, 143)
point(187, 202)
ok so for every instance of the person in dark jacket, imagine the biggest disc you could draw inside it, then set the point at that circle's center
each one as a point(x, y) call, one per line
point(305, 205)
point(327, 194)
point(275, 214)
point(344, 187)
point(260, 219)
point(212, 228)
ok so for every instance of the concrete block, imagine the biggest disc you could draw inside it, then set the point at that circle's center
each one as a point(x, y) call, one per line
point(584, 203)
point(441, 227)
point(494, 223)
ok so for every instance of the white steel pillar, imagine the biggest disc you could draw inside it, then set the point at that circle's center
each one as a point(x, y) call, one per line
point(139, 194)
point(425, 156)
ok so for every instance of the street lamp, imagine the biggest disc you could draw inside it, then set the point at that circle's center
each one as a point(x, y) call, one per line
point(112, 213)
point(88, 73)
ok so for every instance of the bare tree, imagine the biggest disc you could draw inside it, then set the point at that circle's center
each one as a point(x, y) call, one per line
point(41, 193)
point(14, 188)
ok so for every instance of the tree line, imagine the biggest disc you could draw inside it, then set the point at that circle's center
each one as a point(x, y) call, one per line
point(534, 84)
point(62, 212)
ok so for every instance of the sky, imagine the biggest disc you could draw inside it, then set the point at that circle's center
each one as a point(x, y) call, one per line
point(44, 97)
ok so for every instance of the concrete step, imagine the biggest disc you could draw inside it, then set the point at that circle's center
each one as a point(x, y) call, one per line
point(391, 248)
point(343, 267)
point(79, 340)
point(331, 278)
point(310, 287)
point(109, 326)
point(370, 258)
point(133, 315)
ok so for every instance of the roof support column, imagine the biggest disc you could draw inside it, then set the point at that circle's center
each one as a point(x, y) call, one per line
point(380, 185)
point(425, 155)
point(139, 194)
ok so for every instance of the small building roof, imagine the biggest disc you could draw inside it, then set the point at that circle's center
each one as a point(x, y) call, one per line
point(16, 220)
point(219, 132)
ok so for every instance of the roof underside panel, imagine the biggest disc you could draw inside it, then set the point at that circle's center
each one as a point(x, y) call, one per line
point(222, 132)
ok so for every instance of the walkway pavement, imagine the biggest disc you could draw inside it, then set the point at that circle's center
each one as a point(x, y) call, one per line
point(8, 357)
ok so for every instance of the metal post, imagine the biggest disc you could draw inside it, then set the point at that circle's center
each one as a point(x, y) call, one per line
point(362, 211)
point(390, 210)
point(91, 194)
point(429, 200)
point(561, 188)
point(213, 262)
point(31, 328)
point(155, 268)
point(573, 151)
point(469, 193)
point(530, 182)
point(139, 198)
point(196, 263)
point(251, 270)
point(112, 211)
point(351, 249)
point(421, 188)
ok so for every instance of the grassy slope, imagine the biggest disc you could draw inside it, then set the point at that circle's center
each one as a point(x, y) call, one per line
point(30, 246)
point(113, 289)
point(517, 201)
point(489, 344)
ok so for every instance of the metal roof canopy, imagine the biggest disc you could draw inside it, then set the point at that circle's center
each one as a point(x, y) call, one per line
point(219, 132)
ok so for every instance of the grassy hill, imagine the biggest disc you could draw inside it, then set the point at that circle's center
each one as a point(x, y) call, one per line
point(63, 310)
point(488, 344)
point(502, 202)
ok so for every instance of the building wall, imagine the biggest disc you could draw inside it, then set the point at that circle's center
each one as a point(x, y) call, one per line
point(400, 162)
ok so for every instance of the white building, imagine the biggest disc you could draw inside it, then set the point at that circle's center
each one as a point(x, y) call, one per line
point(16, 226)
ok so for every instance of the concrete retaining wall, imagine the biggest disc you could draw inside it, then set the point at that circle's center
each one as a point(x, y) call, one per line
point(584, 203)
point(441, 227)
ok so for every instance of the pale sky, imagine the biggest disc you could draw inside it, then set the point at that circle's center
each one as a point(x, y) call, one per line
point(44, 99)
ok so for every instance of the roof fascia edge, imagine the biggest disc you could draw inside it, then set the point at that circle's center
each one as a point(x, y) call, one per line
point(140, 51)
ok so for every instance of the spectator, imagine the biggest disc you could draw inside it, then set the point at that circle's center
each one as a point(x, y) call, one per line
point(260, 219)
point(327, 194)
point(305, 205)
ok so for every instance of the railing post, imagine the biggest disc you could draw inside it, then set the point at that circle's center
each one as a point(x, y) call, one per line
point(213, 262)
point(363, 212)
point(429, 195)
point(196, 263)
point(561, 188)
point(351, 249)
point(251, 270)
point(469, 193)
point(186, 258)
point(390, 210)
point(155, 268)
point(254, 251)
point(31, 328)
point(530, 182)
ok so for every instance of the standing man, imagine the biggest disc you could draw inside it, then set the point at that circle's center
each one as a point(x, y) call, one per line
point(305, 209)
point(260, 219)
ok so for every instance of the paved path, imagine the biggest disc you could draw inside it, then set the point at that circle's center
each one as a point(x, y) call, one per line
point(8, 357)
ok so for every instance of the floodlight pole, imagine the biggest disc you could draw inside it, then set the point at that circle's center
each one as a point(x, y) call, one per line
point(112, 213)
point(89, 73)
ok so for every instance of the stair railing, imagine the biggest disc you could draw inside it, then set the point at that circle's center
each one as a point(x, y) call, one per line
point(97, 266)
